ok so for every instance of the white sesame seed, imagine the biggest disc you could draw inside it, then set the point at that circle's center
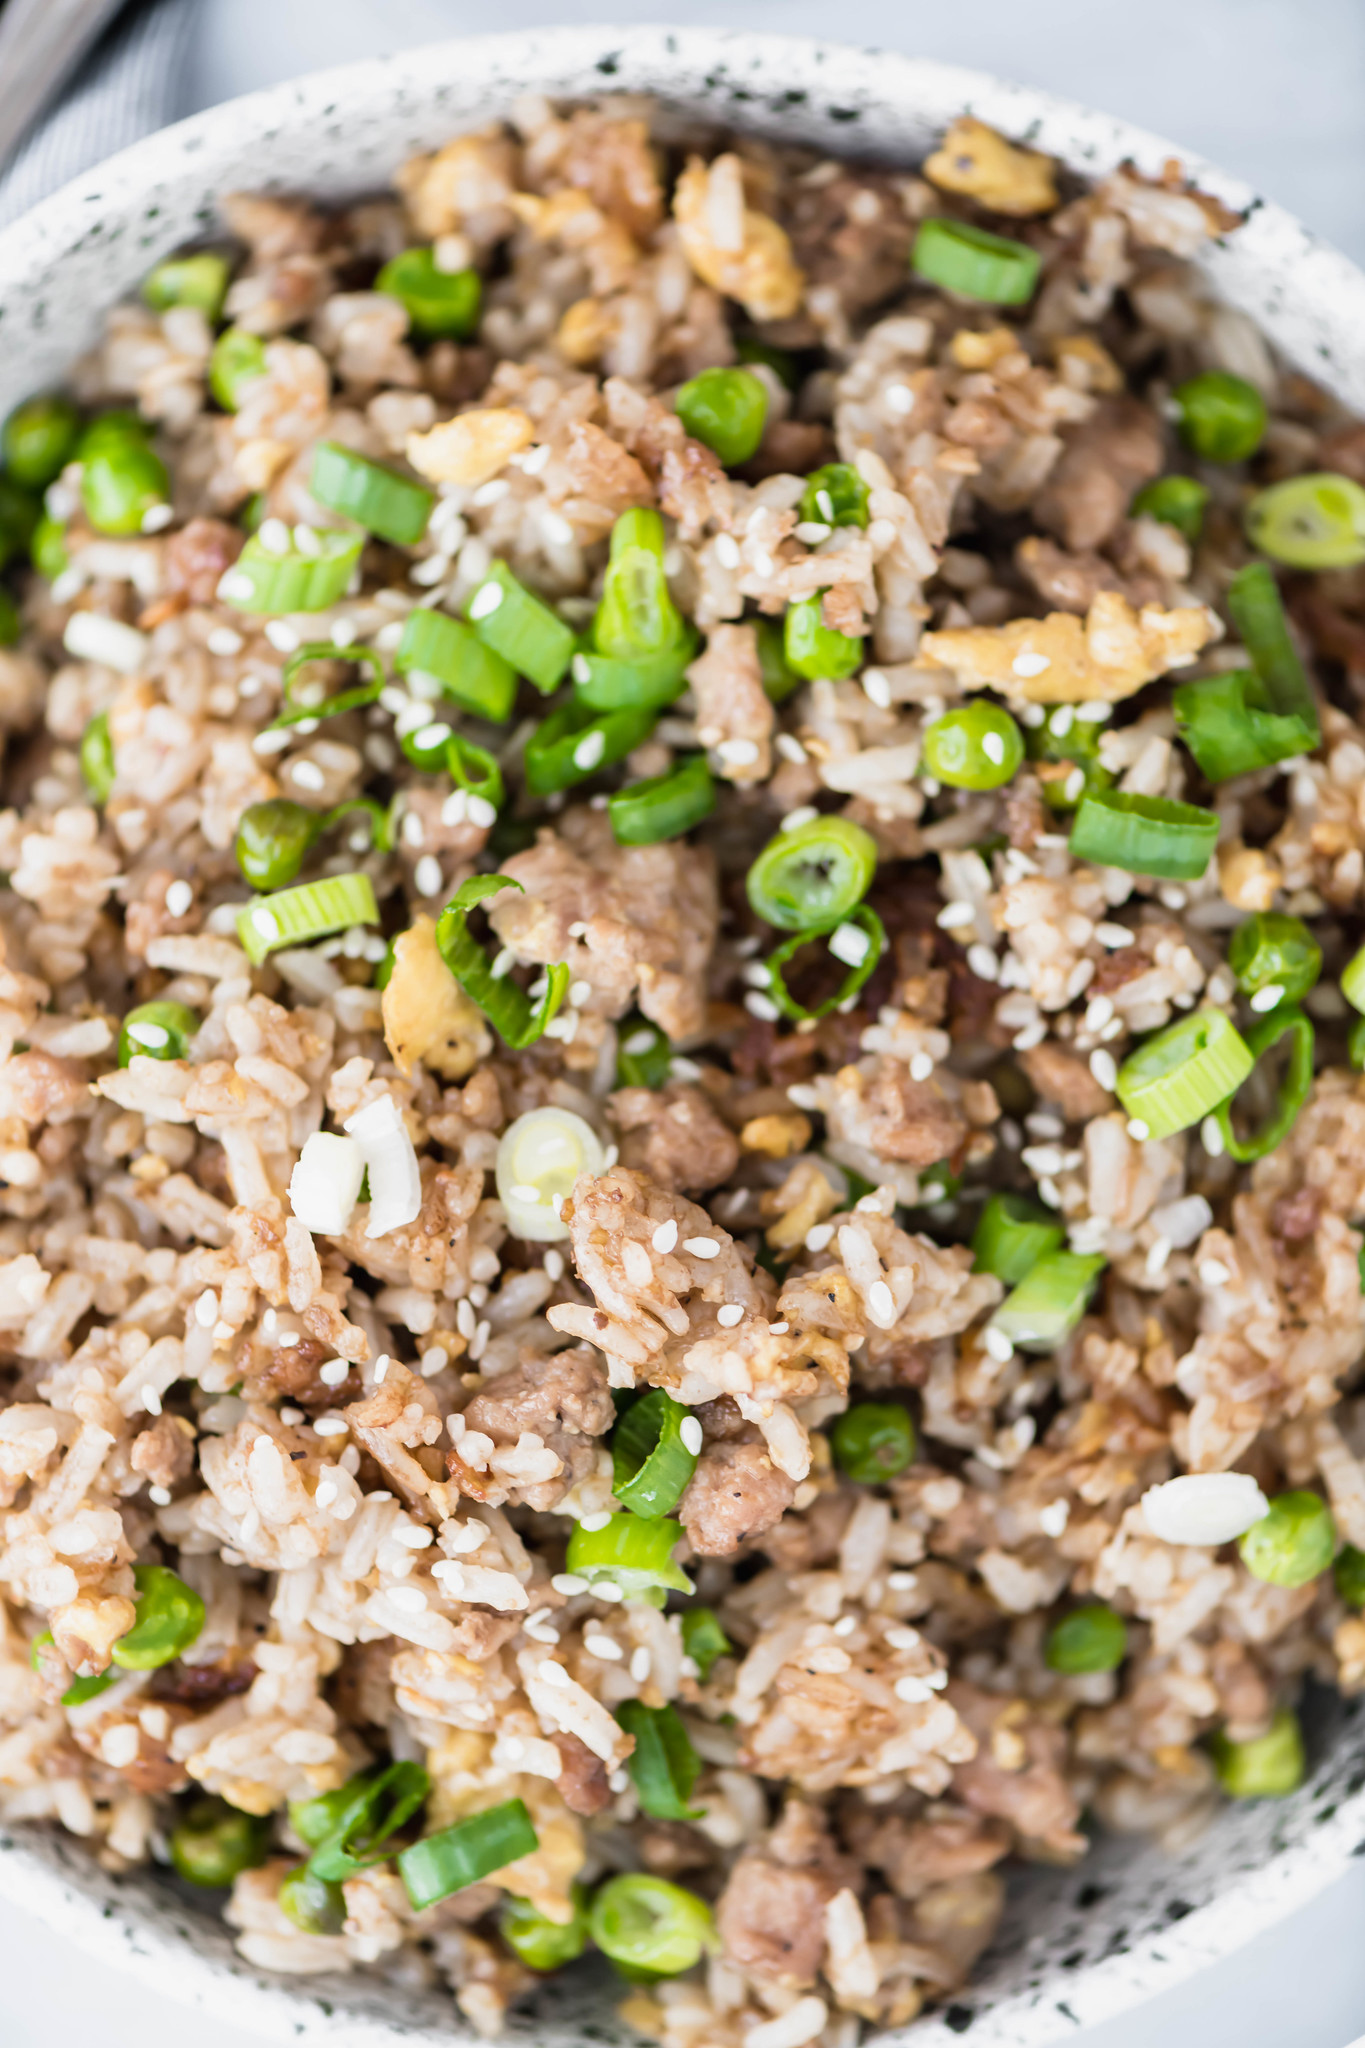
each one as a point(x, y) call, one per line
point(729, 1314)
point(849, 943)
point(485, 600)
point(273, 536)
point(158, 1496)
point(997, 1344)
point(690, 1435)
point(1052, 1519)
point(1104, 1068)
point(818, 1236)
point(727, 551)
point(1213, 1273)
point(1138, 1129)
point(223, 641)
point(590, 1524)
point(993, 747)
point(738, 753)
point(921, 1067)
point(282, 637)
point(760, 1006)
point(876, 688)
point(790, 747)
point(1114, 936)
point(325, 1494)
point(428, 877)
point(954, 916)
point(334, 1372)
point(603, 1647)
point(881, 1305)
point(1034, 665)
point(535, 459)
point(983, 962)
point(1211, 1137)
point(590, 750)
point(331, 1425)
point(702, 1247)
point(569, 1583)
point(307, 775)
point(640, 1664)
point(1203, 1509)
point(913, 1690)
point(553, 1674)
point(1267, 997)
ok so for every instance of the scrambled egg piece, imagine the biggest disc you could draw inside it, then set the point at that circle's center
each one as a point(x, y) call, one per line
point(977, 162)
point(1061, 659)
point(468, 183)
point(472, 447)
point(427, 1015)
point(731, 246)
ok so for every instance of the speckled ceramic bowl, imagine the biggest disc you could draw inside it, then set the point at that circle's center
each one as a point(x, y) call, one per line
point(1077, 1946)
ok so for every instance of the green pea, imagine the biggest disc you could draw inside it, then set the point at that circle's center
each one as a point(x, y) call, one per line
point(835, 496)
point(1090, 1638)
point(38, 440)
point(238, 359)
point(438, 302)
point(873, 1441)
point(974, 746)
point(216, 1842)
point(48, 547)
point(158, 1031)
point(1292, 1543)
point(314, 1904)
point(1221, 417)
point(815, 649)
point(540, 1943)
point(273, 839)
point(1349, 1574)
point(10, 623)
point(199, 281)
point(96, 757)
point(1269, 950)
point(112, 429)
point(1177, 501)
point(725, 409)
point(121, 482)
point(704, 1639)
point(19, 516)
point(1267, 1767)
point(170, 1615)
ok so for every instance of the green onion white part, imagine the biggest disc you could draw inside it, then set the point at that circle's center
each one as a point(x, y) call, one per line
point(539, 1158)
point(1204, 1509)
point(325, 1184)
point(391, 1162)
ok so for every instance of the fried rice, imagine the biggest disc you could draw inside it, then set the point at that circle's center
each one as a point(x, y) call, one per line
point(366, 1447)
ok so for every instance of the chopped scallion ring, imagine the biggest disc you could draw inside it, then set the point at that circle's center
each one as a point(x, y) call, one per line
point(158, 1031)
point(813, 649)
point(1176, 501)
point(813, 875)
point(652, 1464)
point(1258, 614)
point(237, 362)
point(296, 713)
point(663, 806)
point(461, 1855)
point(80, 1689)
point(170, 1615)
point(439, 302)
point(522, 629)
point(663, 1765)
point(1176, 1077)
point(96, 757)
point(861, 934)
point(475, 771)
point(1227, 724)
point(506, 1005)
point(1042, 1311)
point(378, 498)
point(467, 671)
point(704, 1640)
point(573, 743)
point(1310, 522)
point(1144, 835)
point(637, 617)
point(652, 680)
point(540, 1156)
point(199, 281)
point(1012, 1235)
point(631, 1553)
point(291, 917)
point(1294, 1089)
point(1272, 951)
point(643, 1054)
point(367, 1813)
point(975, 264)
point(645, 1924)
point(1353, 980)
point(262, 581)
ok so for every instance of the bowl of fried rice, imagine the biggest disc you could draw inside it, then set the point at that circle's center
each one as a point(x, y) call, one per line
point(682, 1002)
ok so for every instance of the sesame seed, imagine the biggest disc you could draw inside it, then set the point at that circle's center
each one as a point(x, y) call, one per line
point(151, 1400)
point(921, 1067)
point(727, 551)
point(1060, 722)
point(762, 1007)
point(428, 877)
point(553, 1674)
point(1138, 1129)
point(158, 1496)
point(1034, 665)
point(881, 1305)
point(334, 1372)
point(331, 1425)
point(325, 1494)
point(738, 753)
point(790, 747)
point(640, 1664)
point(1103, 1068)
point(849, 943)
point(954, 916)
point(569, 1583)
point(1267, 997)
point(993, 747)
point(1114, 936)
point(590, 750)
point(307, 775)
point(486, 599)
point(899, 399)
point(728, 1314)
point(997, 1344)
point(590, 1524)
point(983, 962)
point(702, 1247)
point(877, 689)
point(689, 1432)
point(665, 1237)
point(603, 1647)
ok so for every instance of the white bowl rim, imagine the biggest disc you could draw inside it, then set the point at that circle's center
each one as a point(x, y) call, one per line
point(1318, 325)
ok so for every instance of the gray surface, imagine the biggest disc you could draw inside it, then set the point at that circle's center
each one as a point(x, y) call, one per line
point(1277, 94)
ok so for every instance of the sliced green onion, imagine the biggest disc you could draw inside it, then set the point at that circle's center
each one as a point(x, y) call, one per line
point(574, 742)
point(643, 1055)
point(1145, 835)
point(1177, 1076)
point(378, 498)
point(379, 818)
point(835, 495)
point(663, 806)
point(1258, 614)
point(1177, 501)
point(704, 1640)
point(1270, 950)
point(646, 1923)
point(370, 1809)
point(291, 917)
point(468, 672)
point(475, 771)
point(238, 360)
point(273, 841)
point(540, 1157)
point(1222, 417)
point(1090, 1638)
point(637, 616)
point(439, 302)
point(1042, 1311)
point(170, 1615)
point(216, 1842)
point(873, 1441)
point(427, 747)
point(859, 939)
point(47, 548)
point(199, 281)
point(631, 1553)
point(461, 1855)
point(1012, 1235)
point(80, 1689)
point(96, 757)
point(973, 746)
point(1353, 981)
point(314, 1905)
point(1294, 1090)
point(812, 875)
point(39, 439)
point(814, 649)
point(663, 1765)
point(975, 264)
point(1269, 1766)
point(1227, 724)
point(1292, 1543)
point(726, 410)
point(1310, 522)
point(121, 482)
point(505, 1004)
point(299, 713)
point(651, 1463)
point(540, 1943)
point(519, 627)
point(158, 1031)
point(605, 684)
point(780, 679)
point(263, 581)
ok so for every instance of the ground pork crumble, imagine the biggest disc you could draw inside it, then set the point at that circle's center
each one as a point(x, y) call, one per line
point(376, 1431)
